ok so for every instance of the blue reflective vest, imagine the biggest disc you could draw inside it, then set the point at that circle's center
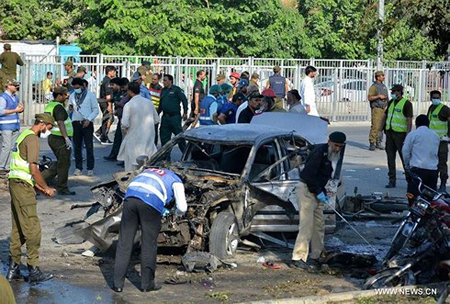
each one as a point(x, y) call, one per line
point(205, 110)
point(278, 84)
point(154, 187)
point(10, 121)
point(222, 100)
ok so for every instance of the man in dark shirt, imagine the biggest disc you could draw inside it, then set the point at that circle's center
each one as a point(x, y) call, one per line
point(319, 168)
point(199, 93)
point(439, 116)
point(105, 101)
point(397, 123)
point(171, 98)
point(120, 98)
point(228, 111)
point(254, 102)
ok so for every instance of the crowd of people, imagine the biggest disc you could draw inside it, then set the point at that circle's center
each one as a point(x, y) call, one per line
point(150, 108)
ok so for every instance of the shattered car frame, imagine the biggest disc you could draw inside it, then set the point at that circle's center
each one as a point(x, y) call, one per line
point(230, 173)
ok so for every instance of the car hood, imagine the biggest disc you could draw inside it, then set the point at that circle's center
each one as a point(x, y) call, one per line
point(312, 128)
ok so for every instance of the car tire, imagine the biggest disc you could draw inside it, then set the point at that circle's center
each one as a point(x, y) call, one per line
point(224, 235)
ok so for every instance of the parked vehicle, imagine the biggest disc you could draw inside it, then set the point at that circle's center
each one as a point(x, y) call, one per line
point(353, 90)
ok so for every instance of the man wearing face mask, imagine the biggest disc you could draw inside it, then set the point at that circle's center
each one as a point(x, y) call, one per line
point(397, 123)
point(85, 109)
point(59, 141)
point(311, 197)
point(439, 116)
point(24, 178)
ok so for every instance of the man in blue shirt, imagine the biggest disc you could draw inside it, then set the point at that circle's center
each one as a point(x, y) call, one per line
point(149, 197)
point(227, 113)
point(144, 90)
point(209, 106)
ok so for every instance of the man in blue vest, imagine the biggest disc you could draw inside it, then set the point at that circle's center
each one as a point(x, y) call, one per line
point(9, 121)
point(280, 85)
point(149, 197)
point(209, 106)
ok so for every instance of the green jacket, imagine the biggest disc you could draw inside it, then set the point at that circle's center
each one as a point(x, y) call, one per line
point(171, 99)
point(9, 61)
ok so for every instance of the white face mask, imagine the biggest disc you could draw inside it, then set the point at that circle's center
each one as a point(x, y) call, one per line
point(78, 91)
point(45, 134)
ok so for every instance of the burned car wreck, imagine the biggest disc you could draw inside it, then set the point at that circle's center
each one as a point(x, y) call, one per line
point(238, 179)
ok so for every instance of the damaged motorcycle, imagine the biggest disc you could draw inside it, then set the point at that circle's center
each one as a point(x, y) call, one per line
point(419, 245)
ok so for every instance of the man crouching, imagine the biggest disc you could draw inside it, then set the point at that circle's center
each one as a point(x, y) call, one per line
point(311, 195)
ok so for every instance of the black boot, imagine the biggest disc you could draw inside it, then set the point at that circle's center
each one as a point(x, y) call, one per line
point(13, 272)
point(36, 275)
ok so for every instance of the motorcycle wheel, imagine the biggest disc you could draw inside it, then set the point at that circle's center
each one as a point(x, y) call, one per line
point(379, 280)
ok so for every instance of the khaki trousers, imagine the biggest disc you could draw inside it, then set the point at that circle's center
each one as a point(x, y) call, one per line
point(312, 229)
point(375, 136)
point(26, 227)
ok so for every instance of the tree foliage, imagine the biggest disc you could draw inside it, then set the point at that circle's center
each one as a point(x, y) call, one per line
point(273, 28)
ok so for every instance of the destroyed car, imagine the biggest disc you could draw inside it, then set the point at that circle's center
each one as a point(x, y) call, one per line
point(230, 173)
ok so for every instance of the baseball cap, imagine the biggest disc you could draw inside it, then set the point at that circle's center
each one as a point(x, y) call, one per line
point(255, 95)
point(12, 82)
point(60, 90)
point(45, 118)
point(379, 73)
point(68, 62)
point(226, 88)
point(220, 77)
point(242, 83)
point(7, 46)
point(276, 69)
point(146, 63)
point(255, 76)
point(81, 69)
point(239, 96)
point(269, 93)
point(214, 89)
point(235, 75)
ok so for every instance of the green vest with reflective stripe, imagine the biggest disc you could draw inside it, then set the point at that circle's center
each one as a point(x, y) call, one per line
point(68, 123)
point(437, 125)
point(395, 118)
point(18, 167)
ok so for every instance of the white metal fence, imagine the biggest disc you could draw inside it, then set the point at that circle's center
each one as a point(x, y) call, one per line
point(341, 87)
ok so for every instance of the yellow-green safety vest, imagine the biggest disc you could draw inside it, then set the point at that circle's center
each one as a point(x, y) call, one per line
point(18, 167)
point(437, 125)
point(395, 118)
point(68, 123)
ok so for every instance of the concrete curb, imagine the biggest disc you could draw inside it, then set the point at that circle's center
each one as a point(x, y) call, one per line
point(333, 297)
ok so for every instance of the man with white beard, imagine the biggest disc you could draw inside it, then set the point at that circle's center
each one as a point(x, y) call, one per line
point(138, 126)
point(311, 196)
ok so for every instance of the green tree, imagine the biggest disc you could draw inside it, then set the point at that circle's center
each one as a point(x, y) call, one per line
point(39, 19)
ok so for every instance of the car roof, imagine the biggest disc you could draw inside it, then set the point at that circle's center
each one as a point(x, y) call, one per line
point(243, 133)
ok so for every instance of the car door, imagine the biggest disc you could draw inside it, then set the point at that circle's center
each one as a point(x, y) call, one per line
point(275, 185)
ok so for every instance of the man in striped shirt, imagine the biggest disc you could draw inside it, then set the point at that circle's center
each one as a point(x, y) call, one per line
point(155, 94)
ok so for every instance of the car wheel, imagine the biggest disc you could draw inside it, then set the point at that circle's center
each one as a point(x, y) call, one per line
point(224, 235)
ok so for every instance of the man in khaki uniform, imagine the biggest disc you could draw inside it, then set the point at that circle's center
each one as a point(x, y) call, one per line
point(24, 177)
point(68, 66)
point(6, 293)
point(311, 195)
point(378, 97)
point(59, 141)
point(9, 61)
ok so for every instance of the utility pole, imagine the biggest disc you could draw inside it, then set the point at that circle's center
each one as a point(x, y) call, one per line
point(380, 34)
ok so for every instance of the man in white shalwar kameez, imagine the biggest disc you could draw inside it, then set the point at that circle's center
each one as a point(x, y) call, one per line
point(138, 126)
point(307, 93)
